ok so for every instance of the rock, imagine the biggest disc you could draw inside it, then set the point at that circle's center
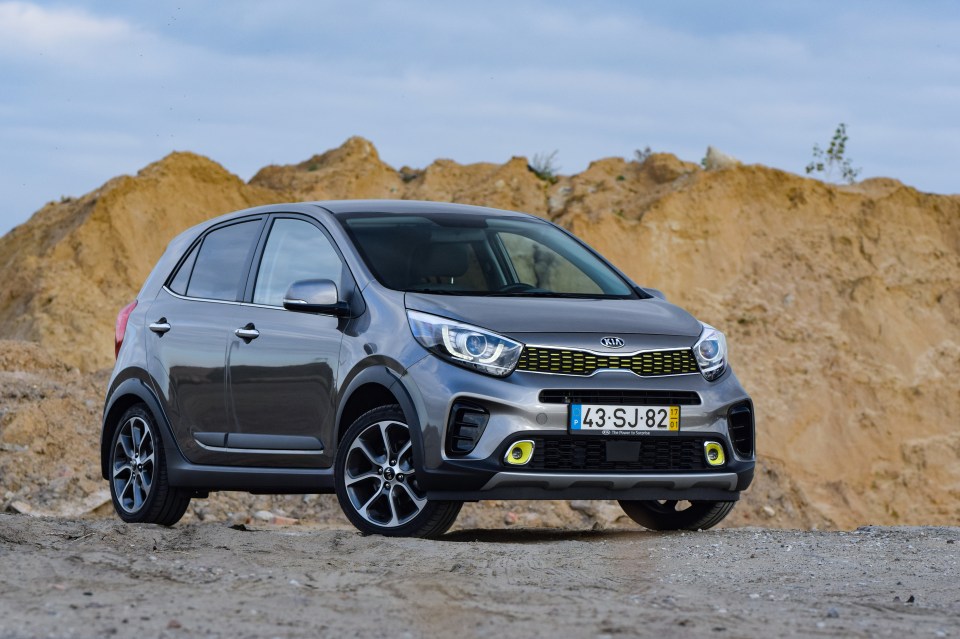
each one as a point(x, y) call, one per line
point(21, 507)
point(602, 512)
point(664, 168)
point(559, 198)
point(716, 159)
point(276, 520)
point(769, 511)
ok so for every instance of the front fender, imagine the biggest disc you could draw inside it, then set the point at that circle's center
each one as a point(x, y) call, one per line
point(389, 378)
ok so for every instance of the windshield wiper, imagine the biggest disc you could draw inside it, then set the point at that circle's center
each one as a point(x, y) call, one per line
point(441, 291)
point(578, 296)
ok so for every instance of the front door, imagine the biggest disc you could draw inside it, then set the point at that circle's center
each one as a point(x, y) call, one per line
point(282, 365)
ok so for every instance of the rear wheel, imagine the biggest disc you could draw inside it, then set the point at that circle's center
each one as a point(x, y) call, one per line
point(677, 515)
point(377, 484)
point(138, 473)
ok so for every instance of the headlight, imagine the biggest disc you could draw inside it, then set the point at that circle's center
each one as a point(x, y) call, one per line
point(711, 352)
point(465, 345)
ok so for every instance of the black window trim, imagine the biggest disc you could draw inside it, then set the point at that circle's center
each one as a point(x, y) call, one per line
point(198, 244)
point(351, 290)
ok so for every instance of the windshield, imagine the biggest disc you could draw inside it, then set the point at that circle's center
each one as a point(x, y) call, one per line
point(469, 254)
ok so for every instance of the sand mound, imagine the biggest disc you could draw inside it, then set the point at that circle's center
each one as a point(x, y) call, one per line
point(67, 271)
point(842, 304)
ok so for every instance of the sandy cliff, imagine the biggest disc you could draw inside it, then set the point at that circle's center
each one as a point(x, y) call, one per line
point(842, 304)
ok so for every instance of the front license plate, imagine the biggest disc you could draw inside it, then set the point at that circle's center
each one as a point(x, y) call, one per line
point(602, 419)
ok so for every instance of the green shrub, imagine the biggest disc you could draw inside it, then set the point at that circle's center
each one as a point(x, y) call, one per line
point(545, 166)
point(832, 162)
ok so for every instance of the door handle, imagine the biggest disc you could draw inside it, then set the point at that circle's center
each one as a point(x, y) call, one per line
point(161, 326)
point(247, 333)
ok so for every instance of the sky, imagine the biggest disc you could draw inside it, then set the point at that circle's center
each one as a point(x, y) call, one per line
point(93, 89)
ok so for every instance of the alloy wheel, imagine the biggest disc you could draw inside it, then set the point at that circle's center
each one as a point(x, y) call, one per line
point(134, 466)
point(379, 475)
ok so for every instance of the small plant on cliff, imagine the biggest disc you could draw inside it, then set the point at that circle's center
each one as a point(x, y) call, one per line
point(833, 161)
point(640, 155)
point(544, 166)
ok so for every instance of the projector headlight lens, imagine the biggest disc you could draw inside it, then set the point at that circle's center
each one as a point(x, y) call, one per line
point(711, 352)
point(465, 345)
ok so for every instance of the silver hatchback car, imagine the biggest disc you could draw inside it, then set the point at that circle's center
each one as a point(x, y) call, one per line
point(411, 356)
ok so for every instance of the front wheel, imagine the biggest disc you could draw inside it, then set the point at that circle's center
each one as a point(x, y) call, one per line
point(138, 473)
point(377, 484)
point(677, 515)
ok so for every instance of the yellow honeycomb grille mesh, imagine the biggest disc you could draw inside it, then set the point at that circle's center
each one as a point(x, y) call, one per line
point(572, 362)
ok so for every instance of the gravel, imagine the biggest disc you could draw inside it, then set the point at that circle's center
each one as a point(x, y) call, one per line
point(81, 578)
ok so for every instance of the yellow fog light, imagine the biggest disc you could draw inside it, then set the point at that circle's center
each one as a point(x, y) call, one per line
point(519, 453)
point(714, 453)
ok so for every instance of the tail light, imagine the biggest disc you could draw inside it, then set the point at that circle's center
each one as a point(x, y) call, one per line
point(122, 326)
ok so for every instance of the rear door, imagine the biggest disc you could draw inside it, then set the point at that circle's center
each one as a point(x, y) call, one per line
point(283, 369)
point(191, 324)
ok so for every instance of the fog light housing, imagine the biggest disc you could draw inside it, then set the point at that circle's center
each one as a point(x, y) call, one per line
point(520, 453)
point(713, 452)
point(465, 427)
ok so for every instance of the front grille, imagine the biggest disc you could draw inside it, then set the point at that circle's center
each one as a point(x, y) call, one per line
point(626, 397)
point(574, 362)
point(653, 454)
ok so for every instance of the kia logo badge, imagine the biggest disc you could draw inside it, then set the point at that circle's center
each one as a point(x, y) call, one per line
point(612, 342)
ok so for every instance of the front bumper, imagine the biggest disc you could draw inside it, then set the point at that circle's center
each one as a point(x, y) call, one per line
point(516, 411)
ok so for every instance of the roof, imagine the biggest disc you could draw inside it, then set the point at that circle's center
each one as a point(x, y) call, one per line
point(410, 207)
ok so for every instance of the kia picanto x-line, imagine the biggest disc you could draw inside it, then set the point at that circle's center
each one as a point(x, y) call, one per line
point(411, 356)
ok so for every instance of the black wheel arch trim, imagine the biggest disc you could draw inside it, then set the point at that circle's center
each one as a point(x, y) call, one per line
point(118, 401)
point(391, 380)
point(448, 475)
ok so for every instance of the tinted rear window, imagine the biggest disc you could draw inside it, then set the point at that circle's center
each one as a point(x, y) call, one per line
point(219, 270)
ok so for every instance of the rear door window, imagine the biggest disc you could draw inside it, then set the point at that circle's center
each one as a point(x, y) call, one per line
point(219, 272)
point(295, 250)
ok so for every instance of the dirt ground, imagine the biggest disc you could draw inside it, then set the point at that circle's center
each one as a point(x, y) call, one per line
point(99, 577)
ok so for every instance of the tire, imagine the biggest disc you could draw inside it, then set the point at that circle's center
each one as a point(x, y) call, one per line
point(138, 473)
point(670, 515)
point(377, 484)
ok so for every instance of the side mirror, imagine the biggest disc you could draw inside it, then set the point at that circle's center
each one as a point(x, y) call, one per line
point(315, 296)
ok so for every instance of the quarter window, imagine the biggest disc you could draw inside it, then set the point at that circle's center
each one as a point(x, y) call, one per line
point(219, 270)
point(296, 250)
point(180, 281)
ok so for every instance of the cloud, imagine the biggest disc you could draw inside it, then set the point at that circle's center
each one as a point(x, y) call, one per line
point(94, 88)
point(61, 35)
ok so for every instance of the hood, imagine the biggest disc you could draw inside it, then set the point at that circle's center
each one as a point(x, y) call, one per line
point(560, 315)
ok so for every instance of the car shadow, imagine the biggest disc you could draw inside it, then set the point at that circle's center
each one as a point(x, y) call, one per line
point(541, 535)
